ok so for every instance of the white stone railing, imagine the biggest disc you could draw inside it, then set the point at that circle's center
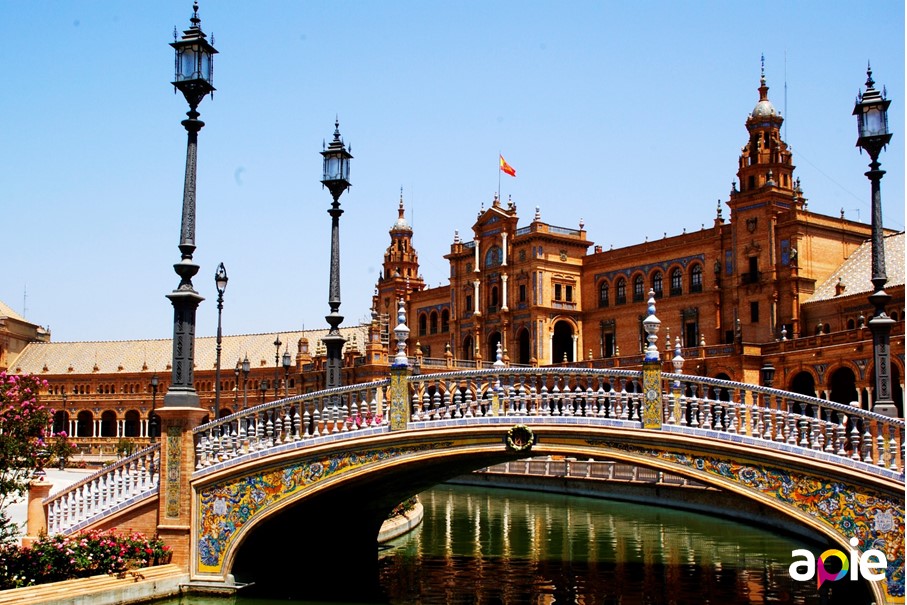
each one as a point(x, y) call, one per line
point(298, 418)
point(706, 406)
point(132, 478)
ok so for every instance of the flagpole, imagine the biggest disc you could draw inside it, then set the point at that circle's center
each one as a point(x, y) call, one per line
point(500, 155)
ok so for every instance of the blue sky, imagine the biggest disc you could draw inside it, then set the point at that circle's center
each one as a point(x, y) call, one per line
point(629, 116)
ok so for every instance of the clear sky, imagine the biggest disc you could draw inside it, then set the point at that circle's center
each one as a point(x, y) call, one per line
point(627, 115)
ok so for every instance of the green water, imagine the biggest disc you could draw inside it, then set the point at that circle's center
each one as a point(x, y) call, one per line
point(490, 546)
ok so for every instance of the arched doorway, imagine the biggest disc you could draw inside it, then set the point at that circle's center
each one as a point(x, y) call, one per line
point(466, 353)
point(108, 424)
point(843, 386)
point(493, 339)
point(804, 384)
point(84, 424)
point(562, 342)
point(525, 347)
point(131, 424)
point(154, 425)
point(720, 393)
point(61, 422)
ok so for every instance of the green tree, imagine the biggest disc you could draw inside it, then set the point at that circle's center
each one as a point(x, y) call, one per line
point(24, 426)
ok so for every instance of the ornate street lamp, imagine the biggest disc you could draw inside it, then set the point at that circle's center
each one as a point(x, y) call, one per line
point(768, 374)
point(193, 77)
point(152, 428)
point(286, 372)
point(336, 177)
point(245, 381)
point(277, 344)
point(871, 110)
point(65, 419)
point(220, 282)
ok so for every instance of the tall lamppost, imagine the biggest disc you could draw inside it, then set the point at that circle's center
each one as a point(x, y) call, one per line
point(277, 344)
point(871, 109)
point(65, 428)
point(286, 372)
point(236, 384)
point(220, 282)
point(336, 177)
point(65, 422)
point(193, 78)
point(152, 422)
point(245, 382)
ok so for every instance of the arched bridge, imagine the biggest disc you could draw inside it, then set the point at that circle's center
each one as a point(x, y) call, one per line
point(306, 481)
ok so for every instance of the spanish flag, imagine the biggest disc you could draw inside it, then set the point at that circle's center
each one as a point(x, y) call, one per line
point(505, 167)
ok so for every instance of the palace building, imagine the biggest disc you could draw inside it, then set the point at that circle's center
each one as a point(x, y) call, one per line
point(773, 285)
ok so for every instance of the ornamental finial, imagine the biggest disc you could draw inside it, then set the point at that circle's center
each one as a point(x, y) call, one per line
point(651, 324)
point(401, 332)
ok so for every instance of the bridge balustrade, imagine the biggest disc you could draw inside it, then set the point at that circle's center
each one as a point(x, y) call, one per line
point(707, 408)
point(297, 418)
point(774, 415)
point(527, 392)
point(132, 478)
point(710, 406)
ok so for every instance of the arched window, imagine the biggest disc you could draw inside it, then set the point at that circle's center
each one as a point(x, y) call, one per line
point(676, 282)
point(696, 278)
point(433, 323)
point(657, 284)
point(621, 291)
point(423, 324)
point(445, 320)
point(603, 294)
point(638, 288)
point(494, 257)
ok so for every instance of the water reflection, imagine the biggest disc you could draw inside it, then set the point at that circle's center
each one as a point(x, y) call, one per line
point(488, 546)
point(500, 546)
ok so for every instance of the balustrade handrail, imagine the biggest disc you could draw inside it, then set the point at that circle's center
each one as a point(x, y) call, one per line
point(305, 397)
point(702, 403)
point(153, 448)
point(788, 395)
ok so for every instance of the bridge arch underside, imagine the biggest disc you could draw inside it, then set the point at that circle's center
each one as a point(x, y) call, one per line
point(311, 516)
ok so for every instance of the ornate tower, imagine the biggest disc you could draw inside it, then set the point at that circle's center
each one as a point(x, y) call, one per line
point(399, 272)
point(765, 160)
point(758, 254)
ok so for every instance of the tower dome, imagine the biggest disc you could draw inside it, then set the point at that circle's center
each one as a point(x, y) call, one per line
point(401, 224)
point(764, 107)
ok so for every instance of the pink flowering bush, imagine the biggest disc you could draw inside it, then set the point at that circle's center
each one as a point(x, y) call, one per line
point(24, 426)
point(56, 558)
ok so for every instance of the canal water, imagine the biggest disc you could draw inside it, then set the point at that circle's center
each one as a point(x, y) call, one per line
point(496, 546)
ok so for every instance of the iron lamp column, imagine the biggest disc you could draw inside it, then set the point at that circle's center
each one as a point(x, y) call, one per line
point(245, 382)
point(277, 344)
point(220, 282)
point(152, 422)
point(871, 109)
point(336, 176)
point(194, 71)
point(286, 372)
